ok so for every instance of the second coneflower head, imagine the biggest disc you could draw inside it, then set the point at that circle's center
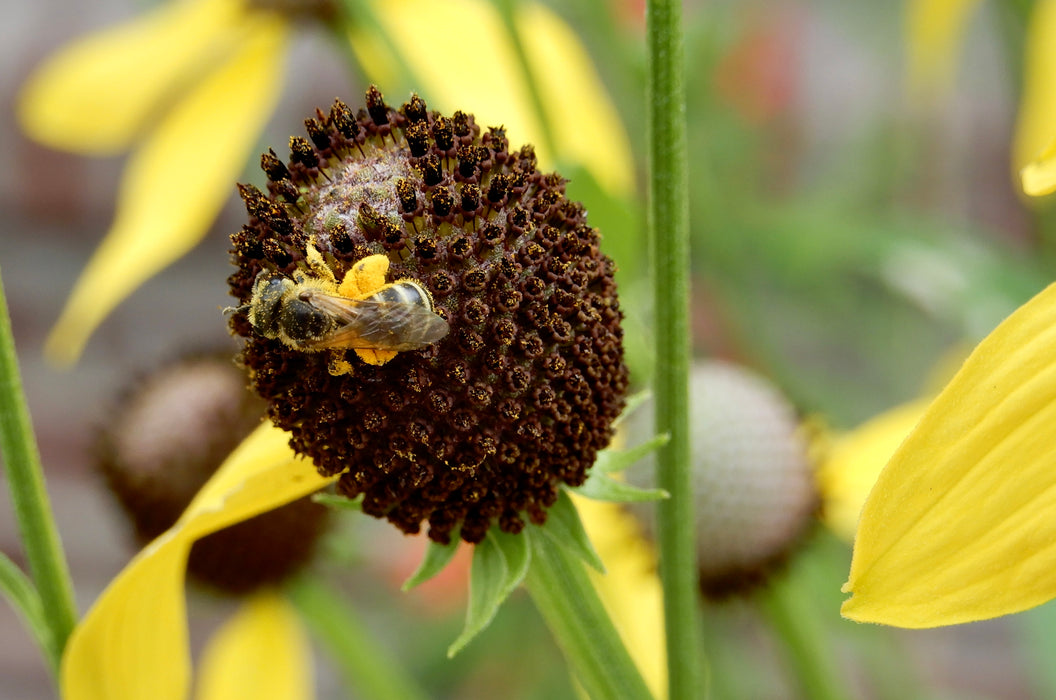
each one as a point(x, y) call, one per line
point(166, 437)
point(429, 316)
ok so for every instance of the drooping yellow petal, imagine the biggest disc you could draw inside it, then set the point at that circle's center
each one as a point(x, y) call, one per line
point(586, 125)
point(1036, 122)
point(480, 76)
point(132, 644)
point(630, 589)
point(262, 653)
point(483, 76)
point(94, 95)
point(260, 475)
point(961, 524)
point(1039, 177)
point(853, 461)
point(934, 33)
point(177, 181)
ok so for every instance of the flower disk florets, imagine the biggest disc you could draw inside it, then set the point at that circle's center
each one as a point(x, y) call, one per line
point(481, 421)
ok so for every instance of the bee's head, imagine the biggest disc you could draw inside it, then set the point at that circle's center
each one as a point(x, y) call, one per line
point(265, 305)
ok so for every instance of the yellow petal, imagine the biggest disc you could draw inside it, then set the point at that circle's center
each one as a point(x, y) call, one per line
point(133, 642)
point(94, 95)
point(630, 590)
point(261, 653)
point(261, 474)
point(852, 463)
point(961, 524)
point(934, 32)
point(1036, 122)
point(177, 181)
point(586, 125)
point(483, 76)
point(1039, 177)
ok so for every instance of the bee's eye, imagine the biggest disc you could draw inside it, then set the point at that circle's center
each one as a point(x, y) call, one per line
point(268, 293)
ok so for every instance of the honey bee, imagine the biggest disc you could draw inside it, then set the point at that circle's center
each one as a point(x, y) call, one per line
point(312, 313)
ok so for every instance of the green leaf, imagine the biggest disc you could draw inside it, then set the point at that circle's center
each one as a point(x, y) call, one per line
point(19, 591)
point(437, 556)
point(500, 562)
point(564, 528)
point(599, 487)
point(633, 402)
point(609, 461)
point(332, 500)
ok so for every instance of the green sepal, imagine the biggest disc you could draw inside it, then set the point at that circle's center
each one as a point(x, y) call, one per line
point(599, 487)
point(518, 552)
point(564, 528)
point(632, 404)
point(332, 500)
point(437, 556)
point(500, 563)
point(609, 461)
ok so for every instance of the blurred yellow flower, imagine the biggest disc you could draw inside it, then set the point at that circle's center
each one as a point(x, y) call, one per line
point(960, 525)
point(133, 642)
point(935, 29)
point(190, 85)
point(262, 652)
point(1039, 175)
point(1032, 149)
point(851, 462)
point(630, 589)
point(498, 92)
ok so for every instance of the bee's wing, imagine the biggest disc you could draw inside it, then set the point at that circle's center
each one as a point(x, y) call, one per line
point(378, 325)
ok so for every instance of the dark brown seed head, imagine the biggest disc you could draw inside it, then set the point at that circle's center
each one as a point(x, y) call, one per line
point(481, 426)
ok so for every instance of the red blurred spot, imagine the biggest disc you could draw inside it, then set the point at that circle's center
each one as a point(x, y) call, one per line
point(757, 76)
point(440, 595)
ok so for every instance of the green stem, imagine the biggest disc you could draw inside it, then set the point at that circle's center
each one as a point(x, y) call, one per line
point(361, 661)
point(575, 616)
point(811, 660)
point(668, 217)
point(19, 590)
point(507, 9)
point(40, 538)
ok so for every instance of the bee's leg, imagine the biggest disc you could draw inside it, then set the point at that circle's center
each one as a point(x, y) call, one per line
point(317, 263)
point(365, 277)
point(338, 364)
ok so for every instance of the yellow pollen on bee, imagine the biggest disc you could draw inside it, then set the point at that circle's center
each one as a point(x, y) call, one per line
point(339, 366)
point(317, 263)
point(375, 357)
point(366, 277)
